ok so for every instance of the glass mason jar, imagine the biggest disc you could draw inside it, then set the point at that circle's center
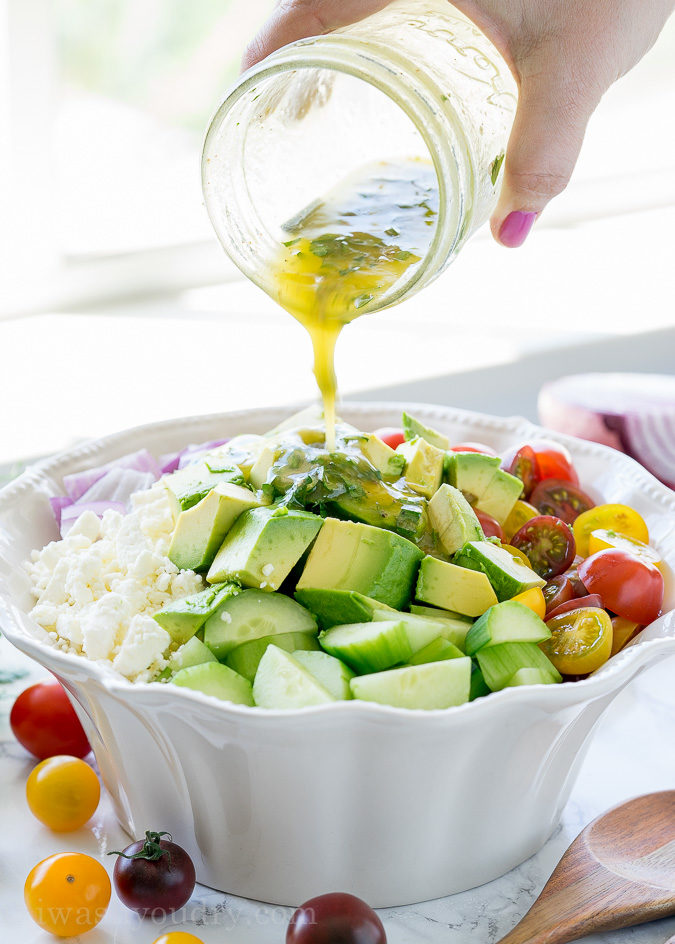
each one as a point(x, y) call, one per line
point(416, 80)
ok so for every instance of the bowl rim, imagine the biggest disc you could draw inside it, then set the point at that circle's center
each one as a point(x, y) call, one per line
point(609, 678)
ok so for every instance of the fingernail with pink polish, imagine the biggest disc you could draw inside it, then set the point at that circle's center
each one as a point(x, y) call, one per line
point(515, 228)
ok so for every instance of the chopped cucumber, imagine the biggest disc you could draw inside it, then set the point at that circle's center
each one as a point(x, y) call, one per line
point(212, 678)
point(499, 663)
point(530, 677)
point(182, 618)
point(368, 647)
point(437, 651)
point(478, 684)
point(506, 622)
point(434, 685)
point(254, 614)
point(193, 652)
point(282, 682)
point(245, 659)
point(338, 607)
point(419, 629)
point(435, 613)
point(334, 675)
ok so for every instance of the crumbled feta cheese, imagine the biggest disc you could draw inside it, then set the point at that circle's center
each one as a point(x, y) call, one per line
point(268, 569)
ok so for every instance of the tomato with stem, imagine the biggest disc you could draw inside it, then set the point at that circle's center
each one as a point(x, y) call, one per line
point(154, 876)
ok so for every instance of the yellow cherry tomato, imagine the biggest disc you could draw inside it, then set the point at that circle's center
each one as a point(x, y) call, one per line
point(602, 538)
point(623, 631)
point(521, 512)
point(178, 937)
point(620, 518)
point(63, 792)
point(67, 894)
point(534, 599)
point(581, 640)
point(518, 554)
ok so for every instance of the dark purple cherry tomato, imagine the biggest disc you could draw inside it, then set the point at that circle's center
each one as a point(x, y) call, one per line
point(592, 599)
point(524, 466)
point(558, 590)
point(548, 544)
point(154, 876)
point(491, 527)
point(561, 499)
point(335, 919)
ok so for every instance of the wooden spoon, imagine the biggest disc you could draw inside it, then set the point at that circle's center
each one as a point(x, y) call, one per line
point(618, 872)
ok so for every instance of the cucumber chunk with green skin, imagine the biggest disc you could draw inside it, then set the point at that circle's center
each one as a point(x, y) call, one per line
point(368, 647)
point(507, 575)
point(246, 659)
point(479, 686)
point(419, 630)
point(530, 677)
point(182, 618)
point(337, 607)
point(253, 614)
point(500, 663)
point(193, 652)
point(333, 674)
point(283, 682)
point(213, 678)
point(437, 651)
point(413, 427)
point(506, 622)
point(431, 686)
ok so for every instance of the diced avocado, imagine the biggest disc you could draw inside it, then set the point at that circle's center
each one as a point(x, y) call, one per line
point(530, 676)
point(508, 575)
point(212, 678)
point(336, 607)
point(368, 647)
point(453, 519)
point(413, 428)
point(261, 467)
point(431, 686)
point(479, 686)
point(190, 485)
point(348, 555)
point(436, 651)
point(420, 630)
point(193, 652)
point(182, 618)
point(433, 612)
point(283, 682)
point(254, 614)
point(334, 675)
point(506, 622)
point(389, 464)
point(245, 659)
point(471, 473)
point(263, 545)
point(454, 588)
point(502, 494)
point(424, 469)
point(407, 517)
point(241, 451)
point(500, 663)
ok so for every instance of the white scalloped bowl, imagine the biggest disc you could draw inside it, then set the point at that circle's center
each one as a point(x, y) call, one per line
point(392, 805)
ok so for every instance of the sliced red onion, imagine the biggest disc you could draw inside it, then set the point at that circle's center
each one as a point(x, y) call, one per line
point(58, 503)
point(118, 485)
point(634, 413)
point(193, 453)
point(80, 482)
point(169, 462)
point(71, 513)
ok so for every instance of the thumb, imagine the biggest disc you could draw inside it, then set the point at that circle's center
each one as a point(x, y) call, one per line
point(543, 148)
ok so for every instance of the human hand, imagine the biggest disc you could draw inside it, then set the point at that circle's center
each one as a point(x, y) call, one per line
point(564, 55)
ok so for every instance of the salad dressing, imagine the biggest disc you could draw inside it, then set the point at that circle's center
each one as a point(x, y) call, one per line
point(346, 251)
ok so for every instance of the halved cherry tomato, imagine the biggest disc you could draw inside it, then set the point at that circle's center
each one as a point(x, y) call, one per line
point(629, 587)
point(581, 641)
point(601, 539)
point(593, 600)
point(44, 722)
point(391, 435)
point(473, 447)
point(63, 792)
point(619, 518)
point(553, 462)
point(533, 599)
point(558, 590)
point(520, 513)
point(547, 543)
point(524, 466)
point(624, 630)
point(491, 527)
point(67, 894)
point(517, 553)
point(178, 937)
point(561, 499)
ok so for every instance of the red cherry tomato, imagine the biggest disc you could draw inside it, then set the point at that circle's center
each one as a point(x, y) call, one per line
point(329, 919)
point(154, 876)
point(44, 722)
point(524, 466)
point(629, 586)
point(473, 447)
point(390, 435)
point(557, 591)
point(561, 499)
point(554, 462)
point(592, 600)
point(491, 527)
point(547, 543)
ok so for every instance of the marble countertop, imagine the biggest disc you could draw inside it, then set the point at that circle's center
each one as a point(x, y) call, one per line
point(632, 753)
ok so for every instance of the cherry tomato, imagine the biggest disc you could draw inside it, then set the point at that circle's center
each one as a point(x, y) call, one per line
point(154, 876)
point(619, 518)
point(593, 600)
point(581, 641)
point(390, 435)
point(630, 587)
point(67, 894)
point(473, 447)
point(491, 527)
point(329, 919)
point(517, 554)
point(553, 462)
point(533, 599)
point(524, 466)
point(558, 590)
point(178, 937)
point(574, 578)
point(602, 538)
point(624, 630)
point(63, 793)
point(547, 543)
point(44, 722)
point(520, 513)
point(561, 499)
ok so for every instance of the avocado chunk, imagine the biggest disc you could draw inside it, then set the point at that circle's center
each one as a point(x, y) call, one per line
point(348, 555)
point(454, 588)
point(241, 451)
point(509, 621)
point(193, 652)
point(471, 473)
point(261, 467)
point(502, 494)
point(190, 485)
point(413, 428)
point(508, 575)
point(434, 613)
point(182, 618)
point(263, 545)
point(453, 519)
point(336, 607)
point(212, 678)
point(201, 530)
point(389, 463)
point(424, 469)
